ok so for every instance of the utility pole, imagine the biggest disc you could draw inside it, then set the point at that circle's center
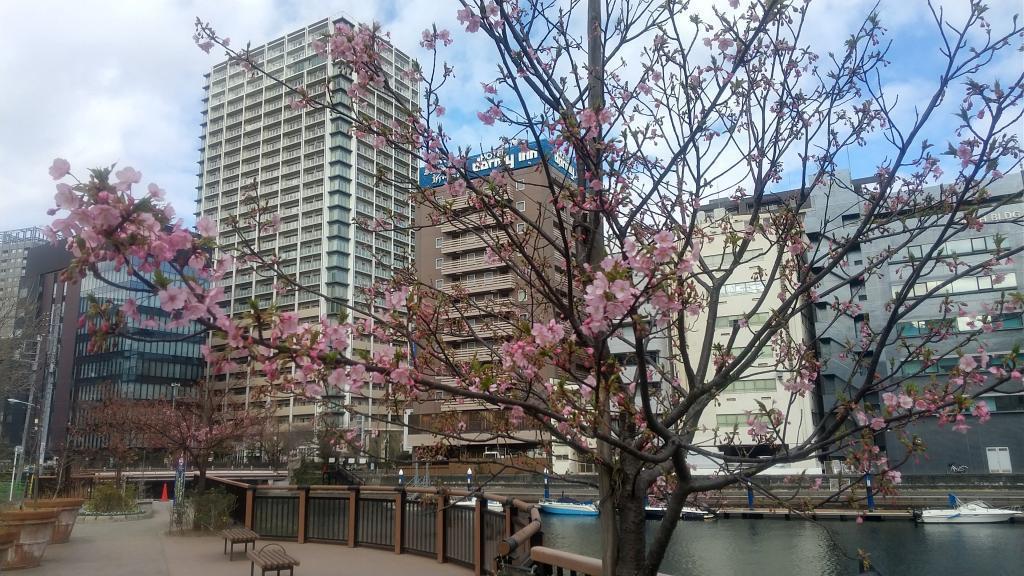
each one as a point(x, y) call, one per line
point(594, 253)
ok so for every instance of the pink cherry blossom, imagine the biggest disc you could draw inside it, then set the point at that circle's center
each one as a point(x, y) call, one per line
point(173, 298)
point(906, 402)
point(548, 334)
point(130, 309)
point(126, 177)
point(468, 17)
point(967, 363)
point(206, 227)
point(981, 411)
point(65, 198)
point(60, 168)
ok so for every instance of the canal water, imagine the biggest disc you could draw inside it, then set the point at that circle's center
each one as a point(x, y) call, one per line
point(802, 548)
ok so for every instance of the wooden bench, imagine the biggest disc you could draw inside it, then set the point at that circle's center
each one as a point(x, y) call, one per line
point(271, 557)
point(242, 536)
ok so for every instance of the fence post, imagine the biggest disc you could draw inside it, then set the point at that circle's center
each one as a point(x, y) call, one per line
point(478, 535)
point(303, 503)
point(353, 513)
point(250, 501)
point(510, 511)
point(442, 507)
point(399, 519)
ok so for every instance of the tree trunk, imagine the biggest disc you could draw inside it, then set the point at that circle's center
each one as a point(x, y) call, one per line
point(632, 536)
point(201, 480)
point(623, 521)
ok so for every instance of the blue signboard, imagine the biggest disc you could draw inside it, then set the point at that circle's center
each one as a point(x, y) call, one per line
point(513, 157)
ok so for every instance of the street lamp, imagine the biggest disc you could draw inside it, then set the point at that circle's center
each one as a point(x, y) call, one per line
point(24, 442)
point(174, 389)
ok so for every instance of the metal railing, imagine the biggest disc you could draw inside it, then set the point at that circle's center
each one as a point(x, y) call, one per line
point(432, 522)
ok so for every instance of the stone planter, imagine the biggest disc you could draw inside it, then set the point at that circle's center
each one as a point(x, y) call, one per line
point(67, 512)
point(35, 529)
point(7, 540)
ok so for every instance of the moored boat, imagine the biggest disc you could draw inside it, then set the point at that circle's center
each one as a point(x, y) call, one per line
point(568, 507)
point(974, 512)
point(657, 512)
point(492, 505)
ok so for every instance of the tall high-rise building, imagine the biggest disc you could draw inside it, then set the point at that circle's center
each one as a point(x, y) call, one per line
point(326, 184)
point(14, 247)
point(484, 296)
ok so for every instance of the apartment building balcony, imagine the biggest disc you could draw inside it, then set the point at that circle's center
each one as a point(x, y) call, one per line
point(493, 284)
point(494, 306)
point(468, 222)
point(465, 244)
point(484, 330)
point(468, 354)
point(463, 404)
point(467, 265)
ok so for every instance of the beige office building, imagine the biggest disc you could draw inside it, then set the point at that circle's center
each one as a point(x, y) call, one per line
point(487, 295)
point(723, 425)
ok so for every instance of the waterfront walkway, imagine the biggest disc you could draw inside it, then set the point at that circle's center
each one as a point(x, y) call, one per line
point(143, 547)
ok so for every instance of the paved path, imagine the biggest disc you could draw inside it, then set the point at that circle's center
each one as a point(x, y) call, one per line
point(142, 548)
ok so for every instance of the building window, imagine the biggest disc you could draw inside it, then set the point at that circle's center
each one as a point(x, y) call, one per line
point(743, 288)
point(438, 262)
point(437, 242)
point(521, 205)
point(522, 295)
point(963, 285)
point(520, 186)
point(520, 227)
point(439, 283)
point(756, 385)
point(735, 420)
point(727, 322)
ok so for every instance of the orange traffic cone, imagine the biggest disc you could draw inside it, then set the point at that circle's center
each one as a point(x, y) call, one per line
point(163, 494)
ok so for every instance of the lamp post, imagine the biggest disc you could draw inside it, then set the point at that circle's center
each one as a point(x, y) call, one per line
point(16, 474)
point(401, 477)
point(14, 468)
point(174, 395)
point(469, 479)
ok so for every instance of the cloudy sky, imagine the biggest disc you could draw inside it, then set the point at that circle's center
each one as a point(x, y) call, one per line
point(99, 82)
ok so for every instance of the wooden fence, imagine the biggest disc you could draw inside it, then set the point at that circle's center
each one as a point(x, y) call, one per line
point(446, 525)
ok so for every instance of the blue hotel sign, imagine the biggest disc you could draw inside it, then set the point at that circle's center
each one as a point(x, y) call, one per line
point(512, 157)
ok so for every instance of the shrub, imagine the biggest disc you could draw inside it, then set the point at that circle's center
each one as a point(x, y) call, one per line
point(211, 509)
point(307, 473)
point(110, 499)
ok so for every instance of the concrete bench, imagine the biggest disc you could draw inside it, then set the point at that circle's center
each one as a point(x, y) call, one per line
point(271, 557)
point(242, 536)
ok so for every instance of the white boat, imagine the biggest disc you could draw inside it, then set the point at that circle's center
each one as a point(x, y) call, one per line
point(568, 507)
point(492, 505)
point(656, 512)
point(974, 512)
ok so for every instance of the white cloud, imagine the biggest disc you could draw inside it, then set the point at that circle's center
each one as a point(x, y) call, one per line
point(110, 81)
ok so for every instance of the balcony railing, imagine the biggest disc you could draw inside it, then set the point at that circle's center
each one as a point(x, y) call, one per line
point(467, 264)
point(468, 354)
point(468, 222)
point(499, 282)
point(494, 307)
point(471, 242)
